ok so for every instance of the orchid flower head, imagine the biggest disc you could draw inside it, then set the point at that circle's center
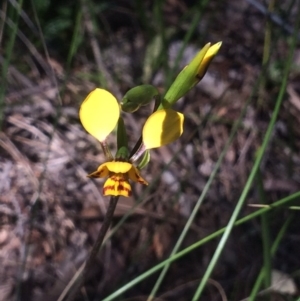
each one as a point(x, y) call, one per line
point(100, 114)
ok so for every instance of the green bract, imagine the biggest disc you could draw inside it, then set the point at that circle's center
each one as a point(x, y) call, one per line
point(191, 74)
point(137, 97)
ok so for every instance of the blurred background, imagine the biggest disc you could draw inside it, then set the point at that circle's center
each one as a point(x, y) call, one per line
point(53, 53)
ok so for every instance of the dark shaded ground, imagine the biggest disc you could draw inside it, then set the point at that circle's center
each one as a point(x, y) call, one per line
point(50, 212)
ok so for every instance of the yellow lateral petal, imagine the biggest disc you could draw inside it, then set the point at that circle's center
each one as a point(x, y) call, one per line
point(117, 185)
point(162, 127)
point(118, 166)
point(213, 50)
point(101, 172)
point(135, 176)
point(99, 113)
point(210, 54)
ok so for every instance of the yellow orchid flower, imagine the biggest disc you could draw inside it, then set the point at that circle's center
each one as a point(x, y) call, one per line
point(99, 114)
point(118, 173)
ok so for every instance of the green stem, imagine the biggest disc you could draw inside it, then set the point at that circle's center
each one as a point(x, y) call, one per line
point(266, 53)
point(139, 152)
point(104, 228)
point(106, 151)
point(273, 250)
point(265, 227)
point(95, 250)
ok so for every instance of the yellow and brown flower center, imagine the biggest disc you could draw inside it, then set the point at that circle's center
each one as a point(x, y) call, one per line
point(119, 173)
point(117, 184)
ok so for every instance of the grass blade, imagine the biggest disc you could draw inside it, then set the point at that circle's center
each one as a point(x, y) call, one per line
point(254, 170)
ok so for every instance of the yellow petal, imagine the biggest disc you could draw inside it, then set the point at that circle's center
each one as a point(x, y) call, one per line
point(99, 113)
point(101, 172)
point(209, 55)
point(135, 176)
point(213, 50)
point(117, 185)
point(162, 127)
point(118, 166)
